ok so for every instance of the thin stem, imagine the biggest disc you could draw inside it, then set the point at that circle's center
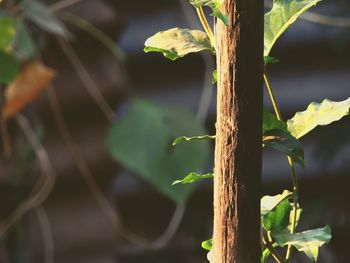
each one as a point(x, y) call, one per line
point(291, 165)
point(273, 251)
point(206, 25)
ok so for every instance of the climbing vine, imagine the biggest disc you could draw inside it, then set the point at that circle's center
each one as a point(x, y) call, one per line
point(280, 214)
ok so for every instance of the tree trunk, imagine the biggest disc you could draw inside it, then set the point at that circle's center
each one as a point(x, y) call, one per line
point(237, 179)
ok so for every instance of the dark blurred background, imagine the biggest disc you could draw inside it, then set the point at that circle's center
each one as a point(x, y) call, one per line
point(314, 64)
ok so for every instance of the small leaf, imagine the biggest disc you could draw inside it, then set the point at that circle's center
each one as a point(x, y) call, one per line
point(270, 122)
point(215, 6)
point(28, 85)
point(193, 177)
point(214, 79)
point(282, 15)
point(8, 30)
point(23, 43)
point(278, 218)
point(187, 139)
point(284, 142)
point(308, 241)
point(176, 42)
point(270, 202)
point(271, 60)
point(9, 67)
point(317, 114)
point(39, 14)
point(207, 244)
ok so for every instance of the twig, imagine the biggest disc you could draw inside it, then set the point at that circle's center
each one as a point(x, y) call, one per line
point(48, 241)
point(44, 184)
point(63, 4)
point(101, 200)
point(87, 80)
point(4, 131)
point(99, 35)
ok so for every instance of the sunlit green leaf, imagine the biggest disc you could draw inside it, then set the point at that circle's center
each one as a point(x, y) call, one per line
point(215, 6)
point(282, 15)
point(187, 139)
point(141, 142)
point(308, 241)
point(207, 244)
point(284, 142)
point(317, 114)
point(176, 42)
point(270, 202)
point(9, 67)
point(278, 218)
point(270, 122)
point(8, 30)
point(39, 14)
point(193, 177)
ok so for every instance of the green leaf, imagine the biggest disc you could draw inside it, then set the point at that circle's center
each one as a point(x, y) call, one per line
point(308, 241)
point(207, 244)
point(268, 203)
point(176, 42)
point(8, 31)
point(141, 142)
point(193, 177)
point(9, 68)
point(187, 139)
point(317, 114)
point(278, 218)
point(284, 142)
point(39, 14)
point(214, 79)
point(282, 15)
point(270, 122)
point(271, 60)
point(23, 43)
point(215, 6)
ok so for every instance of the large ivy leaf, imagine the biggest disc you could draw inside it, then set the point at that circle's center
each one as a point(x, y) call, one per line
point(268, 202)
point(270, 122)
point(282, 15)
point(215, 6)
point(39, 14)
point(278, 218)
point(141, 141)
point(193, 177)
point(284, 142)
point(317, 114)
point(187, 139)
point(176, 42)
point(308, 241)
point(9, 68)
point(8, 30)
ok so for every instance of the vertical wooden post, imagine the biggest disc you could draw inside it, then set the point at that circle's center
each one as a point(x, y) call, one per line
point(237, 179)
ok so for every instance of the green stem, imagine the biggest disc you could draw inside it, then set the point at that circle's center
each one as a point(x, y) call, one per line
point(273, 251)
point(206, 25)
point(291, 165)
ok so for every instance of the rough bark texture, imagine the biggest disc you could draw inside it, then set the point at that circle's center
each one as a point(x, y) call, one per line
point(239, 126)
